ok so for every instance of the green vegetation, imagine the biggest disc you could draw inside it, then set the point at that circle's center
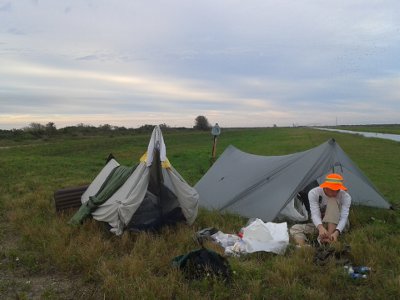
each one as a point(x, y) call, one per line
point(37, 132)
point(88, 262)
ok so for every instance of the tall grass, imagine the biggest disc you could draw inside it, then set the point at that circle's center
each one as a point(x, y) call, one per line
point(138, 265)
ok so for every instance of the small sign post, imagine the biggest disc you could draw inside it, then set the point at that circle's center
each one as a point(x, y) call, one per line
point(215, 131)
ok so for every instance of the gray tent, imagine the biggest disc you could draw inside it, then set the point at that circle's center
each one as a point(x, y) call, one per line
point(261, 186)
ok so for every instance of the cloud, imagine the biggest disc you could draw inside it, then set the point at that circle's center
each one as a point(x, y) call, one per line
point(6, 7)
point(243, 63)
point(139, 84)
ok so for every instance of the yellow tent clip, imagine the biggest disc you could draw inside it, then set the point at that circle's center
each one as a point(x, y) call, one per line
point(164, 164)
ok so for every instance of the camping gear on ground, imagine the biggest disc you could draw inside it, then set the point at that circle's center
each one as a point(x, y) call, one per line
point(262, 186)
point(146, 196)
point(298, 209)
point(256, 236)
point(203, 263)
point(357, 275)
point(112, 183)
point(295, 211)
point(361, 269)
point(269, 237)
point(356, 272)
point(69, 197)
point(205, 234)
point(227, 241)
point(324, 253)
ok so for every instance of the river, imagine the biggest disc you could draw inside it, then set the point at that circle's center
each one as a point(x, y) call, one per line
point(388, 136)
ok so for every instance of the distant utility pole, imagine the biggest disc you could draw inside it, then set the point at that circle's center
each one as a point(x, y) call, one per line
point(336, 121)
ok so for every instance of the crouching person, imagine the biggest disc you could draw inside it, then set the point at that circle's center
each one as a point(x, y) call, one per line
point(330, 206)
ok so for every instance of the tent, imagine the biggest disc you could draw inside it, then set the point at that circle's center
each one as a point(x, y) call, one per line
point(142, 197)
point(262, 186)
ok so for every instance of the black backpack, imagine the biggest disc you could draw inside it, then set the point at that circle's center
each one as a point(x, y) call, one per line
point(303, 195)
point(203, 263)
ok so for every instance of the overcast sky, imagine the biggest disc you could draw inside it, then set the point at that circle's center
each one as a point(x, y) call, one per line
point(239, 62)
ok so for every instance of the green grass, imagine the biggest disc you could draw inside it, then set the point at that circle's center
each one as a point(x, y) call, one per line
point(138, 266)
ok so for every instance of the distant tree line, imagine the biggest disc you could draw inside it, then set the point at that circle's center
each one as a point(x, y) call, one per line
point(39, 131)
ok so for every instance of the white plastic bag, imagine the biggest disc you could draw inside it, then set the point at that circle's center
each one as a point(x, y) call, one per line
point(269, 237)
point(225, 240)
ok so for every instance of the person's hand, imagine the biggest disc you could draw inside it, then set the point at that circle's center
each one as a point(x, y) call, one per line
point(322, 232)
point(334, 236)
point(325, 240)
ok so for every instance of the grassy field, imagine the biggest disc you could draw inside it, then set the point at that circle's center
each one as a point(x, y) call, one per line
point(44, 258)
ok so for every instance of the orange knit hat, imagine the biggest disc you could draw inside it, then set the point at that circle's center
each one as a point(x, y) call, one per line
point(334, 182)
